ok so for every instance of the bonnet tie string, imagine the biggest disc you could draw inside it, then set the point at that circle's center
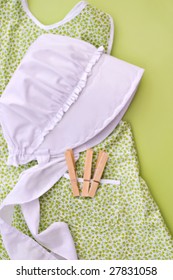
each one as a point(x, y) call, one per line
point(57, 238)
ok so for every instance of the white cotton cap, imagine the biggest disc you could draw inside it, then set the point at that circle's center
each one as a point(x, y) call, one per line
point(64, 94)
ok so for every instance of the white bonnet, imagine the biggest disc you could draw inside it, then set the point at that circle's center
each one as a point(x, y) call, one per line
point(64, 94)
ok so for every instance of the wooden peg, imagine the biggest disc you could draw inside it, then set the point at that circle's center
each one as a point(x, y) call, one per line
point(72, 172)
point(87, 172)
point(101, 163)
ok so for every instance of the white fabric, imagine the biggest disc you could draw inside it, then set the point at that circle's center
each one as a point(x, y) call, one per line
point(32, 184)
point(47, 82)
point(65, 94)
point(102, 181)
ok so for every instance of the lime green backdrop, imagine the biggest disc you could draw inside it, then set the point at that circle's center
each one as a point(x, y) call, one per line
point(143, 36)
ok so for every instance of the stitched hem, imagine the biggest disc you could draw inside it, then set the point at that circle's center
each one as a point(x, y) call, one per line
point(111, 38)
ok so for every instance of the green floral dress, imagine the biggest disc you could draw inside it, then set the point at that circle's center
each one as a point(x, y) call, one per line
point(121, 221)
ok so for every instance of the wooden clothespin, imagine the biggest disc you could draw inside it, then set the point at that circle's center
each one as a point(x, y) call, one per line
point(100, 165)
point(72, 172)
point(87, 172)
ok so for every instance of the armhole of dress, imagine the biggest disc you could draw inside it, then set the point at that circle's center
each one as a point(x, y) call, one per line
point(111, 38)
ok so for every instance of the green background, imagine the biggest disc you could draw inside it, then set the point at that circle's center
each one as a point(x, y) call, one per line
point(143, 36)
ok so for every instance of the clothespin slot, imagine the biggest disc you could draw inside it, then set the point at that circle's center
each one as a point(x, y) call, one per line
point(98, 159)
point(100, 165)
point(87, 172)
point(72, 172)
